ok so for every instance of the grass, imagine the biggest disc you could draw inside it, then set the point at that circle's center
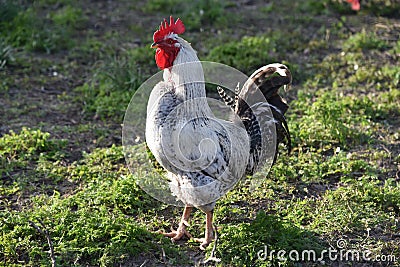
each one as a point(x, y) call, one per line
point(61, 157)
point(6, 54)
point(30, 29)
point(115, 81)
point(248, 47)
point(79, 238)
point(198, 14)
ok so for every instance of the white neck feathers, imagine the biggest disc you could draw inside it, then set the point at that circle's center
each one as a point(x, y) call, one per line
point(187, 77)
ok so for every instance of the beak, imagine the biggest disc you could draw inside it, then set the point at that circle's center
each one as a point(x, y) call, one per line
point(154, 45)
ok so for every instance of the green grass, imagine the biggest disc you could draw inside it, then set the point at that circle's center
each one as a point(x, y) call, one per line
point(28, 28)
point(111, 232)
point(114, 82)
point(6, 54)
point(197, 14)
point(363, 41)
point(62, 165)
point(254, 52)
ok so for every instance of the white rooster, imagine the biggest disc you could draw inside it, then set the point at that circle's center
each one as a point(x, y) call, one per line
point(204, 156)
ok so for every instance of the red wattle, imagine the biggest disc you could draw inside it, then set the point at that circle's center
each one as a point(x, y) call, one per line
point(165, 58)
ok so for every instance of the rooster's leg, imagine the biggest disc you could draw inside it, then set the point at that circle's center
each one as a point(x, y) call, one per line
point(181, 231)
point(209, 234)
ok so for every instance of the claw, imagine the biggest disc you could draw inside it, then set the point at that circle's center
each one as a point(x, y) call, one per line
point(204, 242)
point(176, 235)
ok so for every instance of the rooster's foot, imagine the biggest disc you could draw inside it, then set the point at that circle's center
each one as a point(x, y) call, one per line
point(209, 234)
point(204, 242)
point(177, 234)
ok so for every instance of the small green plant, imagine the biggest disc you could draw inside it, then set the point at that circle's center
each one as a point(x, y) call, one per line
point(27, 29)
point(386, 8)
point(314, 7)
point(70, 17)
point(326, 115)
point(196, 14)
point(8, 11)
point(107, 192)
point(25, 145)
point(6, 54)
point(251, 243)
point(20, 154)
point(208, 13)
point(396, 48)
point(312, 166)
point(173, 7)
point(364, 41)
point(143, 58)
point(246, 54)
point(114, 82)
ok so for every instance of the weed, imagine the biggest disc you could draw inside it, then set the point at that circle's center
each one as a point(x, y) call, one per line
point(20, 149)
point(77, 237)
point(364, 41)
point(6, 54)
point(396, 48)
point(197, 14)
point(173, 7)
point(268, 233)
point(389, 8)
point(208, 13)
point(143, 59)
point(247, 54)
point(25, 28)
point(314, 7)
point(70, 17)
point(114, 82)
point(8, 11)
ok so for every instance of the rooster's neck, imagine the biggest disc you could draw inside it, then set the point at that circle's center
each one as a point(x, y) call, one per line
point(187, 77)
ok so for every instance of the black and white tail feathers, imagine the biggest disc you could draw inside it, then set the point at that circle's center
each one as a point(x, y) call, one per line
point(268, 80)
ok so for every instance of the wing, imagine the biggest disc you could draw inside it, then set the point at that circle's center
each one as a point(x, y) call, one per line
point(161, 103)
point(211, 146)
point(215, 166)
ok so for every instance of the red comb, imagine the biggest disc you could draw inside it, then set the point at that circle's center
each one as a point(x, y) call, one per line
point(165, 29)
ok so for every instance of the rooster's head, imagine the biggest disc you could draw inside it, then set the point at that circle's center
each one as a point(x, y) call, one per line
point(166, 41)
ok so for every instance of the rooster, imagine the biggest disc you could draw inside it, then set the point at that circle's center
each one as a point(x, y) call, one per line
point(205, 156)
